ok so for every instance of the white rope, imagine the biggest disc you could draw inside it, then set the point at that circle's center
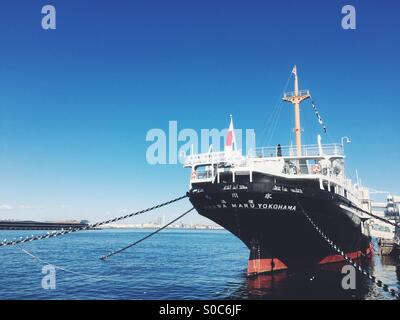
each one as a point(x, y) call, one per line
point(48, 235)
point(91, 276)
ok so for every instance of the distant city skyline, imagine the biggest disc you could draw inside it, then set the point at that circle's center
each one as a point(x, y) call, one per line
point(76, 103)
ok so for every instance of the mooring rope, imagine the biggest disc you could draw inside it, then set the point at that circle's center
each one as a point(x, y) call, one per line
point(338, 250)
point(376, 217)
point(91, 276)
point(146, 237)
point(48, 235)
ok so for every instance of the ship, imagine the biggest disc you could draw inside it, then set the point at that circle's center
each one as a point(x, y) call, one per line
point(265, 197)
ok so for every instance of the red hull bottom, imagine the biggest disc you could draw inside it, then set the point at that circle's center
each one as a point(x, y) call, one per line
point(259, 266)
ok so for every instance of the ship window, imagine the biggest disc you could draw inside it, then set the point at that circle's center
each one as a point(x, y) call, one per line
point(242, 178)
point(226, 178)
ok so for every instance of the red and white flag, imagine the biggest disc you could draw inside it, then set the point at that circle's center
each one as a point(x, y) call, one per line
point(294, 71)
point(230, 144)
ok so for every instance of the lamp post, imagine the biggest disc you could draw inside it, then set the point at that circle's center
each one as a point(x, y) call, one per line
point(345, 140)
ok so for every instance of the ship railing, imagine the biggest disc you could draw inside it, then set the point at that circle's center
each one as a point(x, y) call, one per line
point(213, 157)
point(291, 151)
point(300, 169)
point(293, 94)
point(202, 175)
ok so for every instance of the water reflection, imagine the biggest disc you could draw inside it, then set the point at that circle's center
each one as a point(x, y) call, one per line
point(322, 283)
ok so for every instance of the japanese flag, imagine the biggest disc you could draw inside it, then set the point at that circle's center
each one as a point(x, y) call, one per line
point(230, 144)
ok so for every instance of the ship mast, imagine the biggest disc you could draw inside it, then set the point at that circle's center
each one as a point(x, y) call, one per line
point(296, 98)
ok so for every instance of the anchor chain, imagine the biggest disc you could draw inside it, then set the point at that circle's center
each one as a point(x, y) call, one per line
point(48, 235)
point(339, 251)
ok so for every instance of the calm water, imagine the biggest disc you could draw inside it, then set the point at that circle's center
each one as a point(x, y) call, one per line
point(171, 265)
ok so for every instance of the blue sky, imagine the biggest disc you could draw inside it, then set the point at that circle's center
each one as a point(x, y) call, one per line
point(76, 102)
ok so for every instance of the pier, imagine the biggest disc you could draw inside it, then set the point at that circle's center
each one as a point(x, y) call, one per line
point(35, 225)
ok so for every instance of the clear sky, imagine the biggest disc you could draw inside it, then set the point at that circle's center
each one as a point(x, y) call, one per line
point(77, 102)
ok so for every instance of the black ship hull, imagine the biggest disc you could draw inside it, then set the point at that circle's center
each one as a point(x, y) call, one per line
point(267, 215)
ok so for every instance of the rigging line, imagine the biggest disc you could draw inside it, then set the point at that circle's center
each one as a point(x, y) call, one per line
point(275, 117)
point(267, 128)
point(276, 108)
point(318, 115)
point(146, 237)
point(269, 119)
point(274, 127)
point(327, 132)
point(44, 262)
point(272, 124)
point(312, 130)
point(48, 235)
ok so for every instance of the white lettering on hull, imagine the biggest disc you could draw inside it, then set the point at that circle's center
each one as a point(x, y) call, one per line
point(252, 205)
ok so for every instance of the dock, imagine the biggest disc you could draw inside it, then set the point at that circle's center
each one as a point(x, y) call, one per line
point(36, 225)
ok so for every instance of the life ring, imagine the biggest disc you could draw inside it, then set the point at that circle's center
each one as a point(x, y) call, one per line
point(194, 175)
point(316, 168)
